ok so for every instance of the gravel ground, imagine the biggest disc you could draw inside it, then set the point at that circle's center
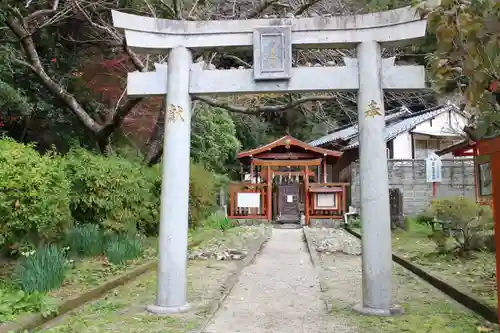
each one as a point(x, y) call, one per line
point(278, 293)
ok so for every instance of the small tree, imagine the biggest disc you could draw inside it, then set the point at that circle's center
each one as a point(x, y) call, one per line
point(468, 221)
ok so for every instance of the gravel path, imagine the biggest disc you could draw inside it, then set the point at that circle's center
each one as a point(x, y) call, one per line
point(278, 293)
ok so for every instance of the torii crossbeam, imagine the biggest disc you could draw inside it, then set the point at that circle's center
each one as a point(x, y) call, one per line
point(272, 41)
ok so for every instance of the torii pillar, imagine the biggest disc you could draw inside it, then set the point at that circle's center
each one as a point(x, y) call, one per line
point(272, 42)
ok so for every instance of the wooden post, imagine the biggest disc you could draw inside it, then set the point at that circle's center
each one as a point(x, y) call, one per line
point(306, 191)
point(491, 147)
point(434, 190)
point(232, 201)
point(324, 170)
point(251, 171)
point(476, 179)
point(269, 194)
point(495, 165)
point(344, 199)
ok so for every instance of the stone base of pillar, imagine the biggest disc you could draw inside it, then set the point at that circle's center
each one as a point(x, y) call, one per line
point(393, 311)
point(165, 310)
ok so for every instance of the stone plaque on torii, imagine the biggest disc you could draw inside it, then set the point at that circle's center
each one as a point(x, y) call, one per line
point(272, 41)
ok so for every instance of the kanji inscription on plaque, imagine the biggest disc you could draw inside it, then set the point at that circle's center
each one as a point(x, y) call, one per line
point(272, 53)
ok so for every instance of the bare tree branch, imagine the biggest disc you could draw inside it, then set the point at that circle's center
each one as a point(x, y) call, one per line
point(18, 27)
point(261, 8)
point(305, 6)
point(265, 108)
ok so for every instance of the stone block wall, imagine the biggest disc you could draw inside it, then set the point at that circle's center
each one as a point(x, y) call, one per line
point(409, 176)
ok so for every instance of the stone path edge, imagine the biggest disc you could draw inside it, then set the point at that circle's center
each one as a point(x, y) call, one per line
point(317, 266)
point(232, 279)
point(30, 322)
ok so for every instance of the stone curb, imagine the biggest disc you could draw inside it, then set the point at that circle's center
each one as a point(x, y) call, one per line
point(33, 321)
point(317, 266)
point(231, 280)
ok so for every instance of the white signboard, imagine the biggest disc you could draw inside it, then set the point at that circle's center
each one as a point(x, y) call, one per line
point(248, 200)
point(289, 198)
point(326, 200)
point(433, 166)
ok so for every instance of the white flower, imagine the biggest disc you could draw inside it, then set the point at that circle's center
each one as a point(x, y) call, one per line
point(28, 253)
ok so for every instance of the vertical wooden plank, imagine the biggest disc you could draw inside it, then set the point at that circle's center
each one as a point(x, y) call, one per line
point(251, 171)
point(344, 199)
point(232, 201)
point(476, 180)
point(495, 166)
point(269, 194)
point(306, 189)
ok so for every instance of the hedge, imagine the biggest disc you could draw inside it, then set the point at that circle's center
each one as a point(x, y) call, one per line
point(42, 195)
point(34, 196)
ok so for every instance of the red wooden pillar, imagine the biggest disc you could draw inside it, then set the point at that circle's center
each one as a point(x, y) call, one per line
point(495, 165)
point(251, 171)
point(491, 147)
point(269, 194)
point(476, 173)
point(306, 191)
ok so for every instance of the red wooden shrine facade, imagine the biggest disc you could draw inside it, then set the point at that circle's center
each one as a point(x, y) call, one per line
point(284, 180)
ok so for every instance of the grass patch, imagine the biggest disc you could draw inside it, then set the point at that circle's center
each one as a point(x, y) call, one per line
point(475, 275)
point(426, 311)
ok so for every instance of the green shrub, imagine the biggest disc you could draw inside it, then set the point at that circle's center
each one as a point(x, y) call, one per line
point(43, 270)
point(464, 220)
point(424, 219)
point(355, 222)
point(110, 191)
point(16, 302)
point(34, 200)
point(86, 240)
point(218, 221)
point(202, 194)
point(120, 249)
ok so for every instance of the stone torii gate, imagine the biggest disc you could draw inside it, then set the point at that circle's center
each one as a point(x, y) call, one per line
point(272, 41)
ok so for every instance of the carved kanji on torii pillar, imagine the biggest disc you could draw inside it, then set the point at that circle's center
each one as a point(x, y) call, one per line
point(272, 41)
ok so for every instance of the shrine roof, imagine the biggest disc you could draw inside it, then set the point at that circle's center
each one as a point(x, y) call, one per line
point(462, 148)
point(396, 123)
point(288, 141)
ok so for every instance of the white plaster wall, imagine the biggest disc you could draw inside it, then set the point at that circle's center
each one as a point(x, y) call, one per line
point(446, 123)
point(402, 146)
